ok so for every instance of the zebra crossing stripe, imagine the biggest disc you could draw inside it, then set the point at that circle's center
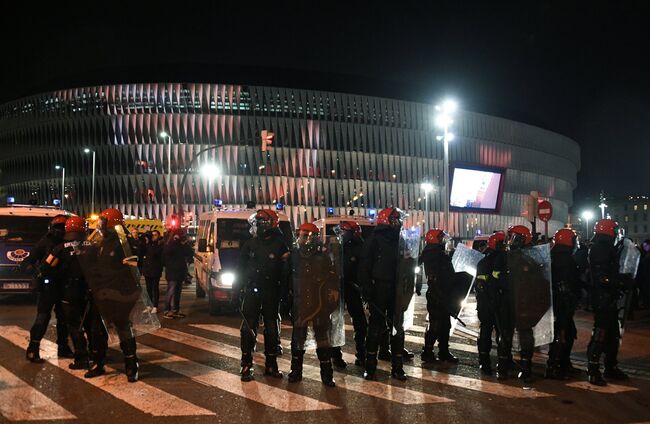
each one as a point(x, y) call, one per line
point(468, 383)
point(610, 388)
point(21, 402)
point(264, 394)
point(348, 382)
point(140, 395)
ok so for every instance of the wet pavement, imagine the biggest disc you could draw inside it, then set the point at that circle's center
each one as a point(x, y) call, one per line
point(189, 373)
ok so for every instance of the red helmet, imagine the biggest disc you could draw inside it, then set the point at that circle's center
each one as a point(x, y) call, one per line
point(268, 215)
point(58, 220)
point(76, 224)
point(351, 226)
point(390, 216)
point(435, 236)
point(113, 217)
point(565, 237)
point(309, 228)
point(608, 227)
point(495, 239)
point(522, 232)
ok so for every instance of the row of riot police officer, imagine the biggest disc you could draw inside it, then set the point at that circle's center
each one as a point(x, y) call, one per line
point(90, 281)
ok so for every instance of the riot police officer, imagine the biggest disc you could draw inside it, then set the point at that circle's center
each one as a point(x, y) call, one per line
point(487, 281)
point(440, 278)
point(566, 288)
point(378, 277)
point(316, 293)
point(606, 287)
point(49, 293)
point(264, 271)
point(352, 249)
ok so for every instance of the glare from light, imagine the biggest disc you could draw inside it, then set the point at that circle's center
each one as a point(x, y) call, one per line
point(426, 187)
point(449, 137)
point(164, 134)
point(57, 167)
point(449, 106)
point(588, 215)
point(210, 170)
point(417, 269)
point(443, 120)
point(227, 279)
point(86, 150)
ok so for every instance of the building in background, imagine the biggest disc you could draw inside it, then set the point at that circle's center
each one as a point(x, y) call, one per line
point(332, 152)
point(631, 212)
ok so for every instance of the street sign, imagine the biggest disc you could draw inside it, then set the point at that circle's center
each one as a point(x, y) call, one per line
point(544, 210)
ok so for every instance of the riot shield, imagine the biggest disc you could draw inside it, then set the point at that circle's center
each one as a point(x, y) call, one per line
point(115, 287)
point(409, 252)
point(317, 312)
point(465, 261)
point(628, 260)
point(529, 280)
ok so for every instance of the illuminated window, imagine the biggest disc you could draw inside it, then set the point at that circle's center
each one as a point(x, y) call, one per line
point(645, 207)
point(636, 207)
point(627, 218)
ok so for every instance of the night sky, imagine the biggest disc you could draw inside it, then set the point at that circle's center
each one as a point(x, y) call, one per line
point(578, 68)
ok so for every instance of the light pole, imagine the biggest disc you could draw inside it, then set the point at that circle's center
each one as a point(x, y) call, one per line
point(444, 121)
point(62, 168)
point(587, 216)
point(165, 134)
point(427, 188)
point(92, 196)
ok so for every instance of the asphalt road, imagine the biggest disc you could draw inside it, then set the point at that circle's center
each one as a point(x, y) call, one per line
point(189, 373)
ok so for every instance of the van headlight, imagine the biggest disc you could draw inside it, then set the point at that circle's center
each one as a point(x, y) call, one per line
point(227, 279)
point(417, 269)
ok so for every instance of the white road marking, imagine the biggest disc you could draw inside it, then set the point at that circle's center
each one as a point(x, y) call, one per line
point(139, 395)
point(352, 383)
point(21, 402)
point(610, 388)
point(264, 394)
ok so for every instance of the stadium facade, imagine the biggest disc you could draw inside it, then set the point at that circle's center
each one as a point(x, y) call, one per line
point(331, 150)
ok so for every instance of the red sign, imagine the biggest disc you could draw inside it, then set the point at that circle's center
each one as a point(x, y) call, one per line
point(544, 210)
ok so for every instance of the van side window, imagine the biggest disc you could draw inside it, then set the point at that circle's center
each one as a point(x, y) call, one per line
point(211, 235)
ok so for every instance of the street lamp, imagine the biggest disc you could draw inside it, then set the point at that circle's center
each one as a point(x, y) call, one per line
point(62, 168)
point(165, 134)
point(587, 216)
point(444, 120)
point(427, 188)
point(210, 171)
point(92, 196)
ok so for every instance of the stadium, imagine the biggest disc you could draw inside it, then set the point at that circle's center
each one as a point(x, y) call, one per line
point(331, 153)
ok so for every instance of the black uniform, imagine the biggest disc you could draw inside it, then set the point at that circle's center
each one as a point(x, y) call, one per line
point(378, 276)
point(264, 268)
point(607, 285)
point(440, 278)
point(352, 251)
point(566, 289)
point(49, 290)
point(486, 288)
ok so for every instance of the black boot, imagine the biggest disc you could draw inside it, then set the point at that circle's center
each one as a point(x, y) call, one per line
point(64, 351)
point(246, 371)
point(594, 375)
point(296, 366)
point(361, 358)
point(407, 355)
point(79, 363)
point(326, 371)
point(427, 355)
point(371, 367)
point(446, 356)
point(503, 367)
point(526, 374)
point(271, 367)
point(33, 352)
point(337, 358)
point(615, 373)
point(397, 371)
point(484, 363)
point(95, 370)
point(130, 360)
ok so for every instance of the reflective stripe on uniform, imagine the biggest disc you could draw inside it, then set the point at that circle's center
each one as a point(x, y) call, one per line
point(496, 274)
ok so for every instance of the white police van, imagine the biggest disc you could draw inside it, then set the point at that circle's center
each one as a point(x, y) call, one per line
point(221, 234)
point(330, 222)
point(21, 227)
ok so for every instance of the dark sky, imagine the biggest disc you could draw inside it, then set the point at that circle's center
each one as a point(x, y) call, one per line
point(579, 68)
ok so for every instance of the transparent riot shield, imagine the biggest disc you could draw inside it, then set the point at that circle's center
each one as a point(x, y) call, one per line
point(465, 261)
point(114, 281)
point(529, 280)
point(318, 320)
point(409, 252)
point(628, 259)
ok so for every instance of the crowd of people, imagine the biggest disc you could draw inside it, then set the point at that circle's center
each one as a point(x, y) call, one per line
point(311, 281)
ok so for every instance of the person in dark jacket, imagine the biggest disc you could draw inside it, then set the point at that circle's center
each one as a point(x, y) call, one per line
point(566, 290)
point(152, 267)
point(643, 275)
point(440, 278)
point(378, 278)
point(486, 288)
point(176, 255)
point(352, 250)
point(49, 290)
point(607, 285)
point(265, 271)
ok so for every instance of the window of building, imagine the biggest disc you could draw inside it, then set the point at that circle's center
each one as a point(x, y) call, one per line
point(627, 218)
point(636, 207)
point(645, 207)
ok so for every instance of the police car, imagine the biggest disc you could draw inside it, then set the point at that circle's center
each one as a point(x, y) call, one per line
point(21, 227)
point(220, 236)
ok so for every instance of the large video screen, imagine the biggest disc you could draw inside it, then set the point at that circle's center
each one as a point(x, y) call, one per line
point(476, 189)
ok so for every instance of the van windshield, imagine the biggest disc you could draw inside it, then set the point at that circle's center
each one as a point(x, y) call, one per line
point(26, 229)
point(232, 233)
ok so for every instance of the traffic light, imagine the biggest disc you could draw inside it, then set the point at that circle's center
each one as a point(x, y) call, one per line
point(267, 140)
